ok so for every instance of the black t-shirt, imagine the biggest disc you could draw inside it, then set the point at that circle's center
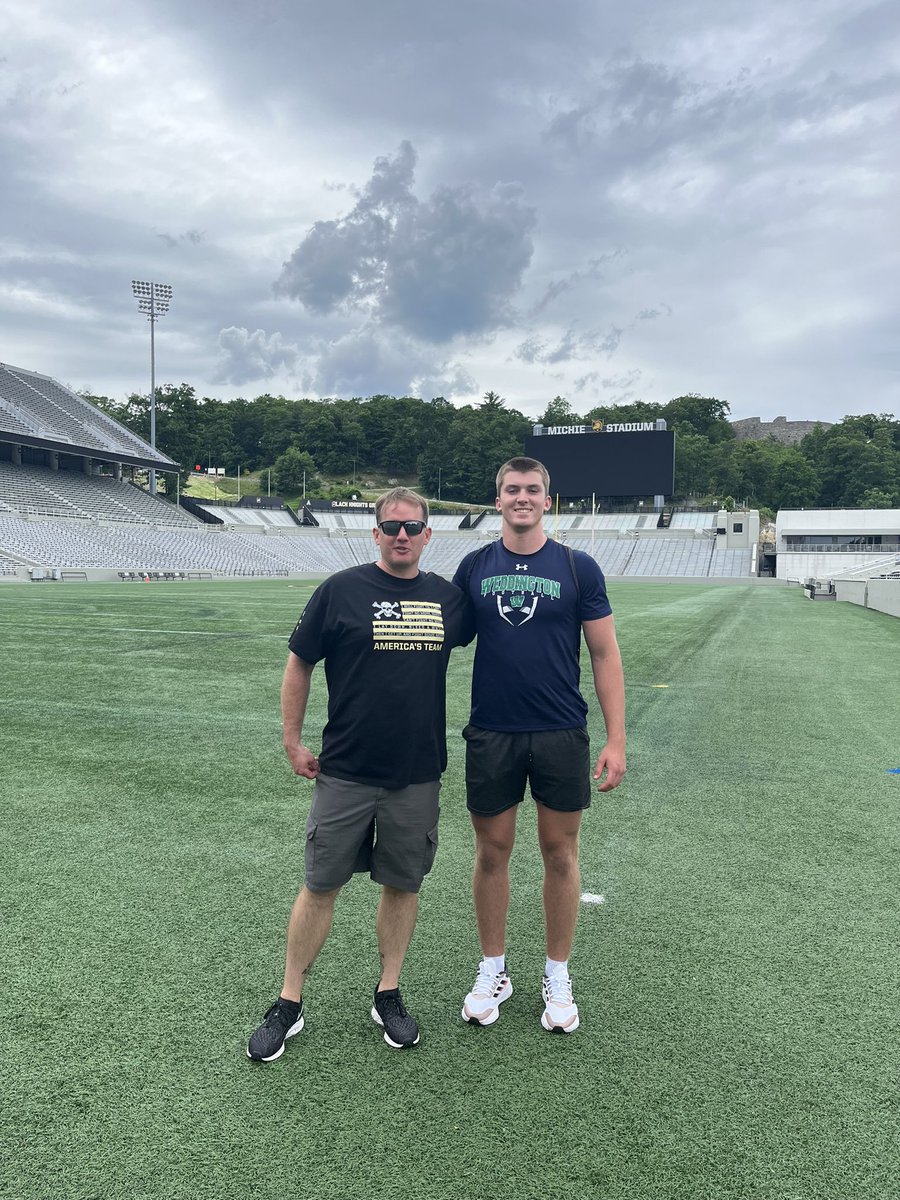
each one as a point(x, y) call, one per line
point(386, 643)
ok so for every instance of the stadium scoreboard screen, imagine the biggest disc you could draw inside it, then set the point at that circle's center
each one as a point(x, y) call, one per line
point(632, 460)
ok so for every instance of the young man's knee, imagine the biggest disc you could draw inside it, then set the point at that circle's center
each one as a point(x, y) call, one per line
point(561, 866)
point(560, 856)
point(493, 854)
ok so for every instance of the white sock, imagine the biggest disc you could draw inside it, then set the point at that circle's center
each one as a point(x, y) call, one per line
point(497, 963)
point(554, 967)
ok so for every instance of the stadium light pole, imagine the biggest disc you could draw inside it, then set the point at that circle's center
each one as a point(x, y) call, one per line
point(153, 299)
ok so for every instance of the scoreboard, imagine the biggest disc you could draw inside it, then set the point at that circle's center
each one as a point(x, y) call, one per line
point(608, 462)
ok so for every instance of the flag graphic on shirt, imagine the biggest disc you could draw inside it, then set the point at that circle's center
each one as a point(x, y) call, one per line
point(407, 625)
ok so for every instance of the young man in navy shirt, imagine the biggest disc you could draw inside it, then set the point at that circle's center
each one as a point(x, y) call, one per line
point(533, 600)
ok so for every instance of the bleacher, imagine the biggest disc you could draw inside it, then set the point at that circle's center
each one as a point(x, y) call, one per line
point(312, 552)
point(36, 406)
point(137, 546)
point(247, 515)
point(611, 553)
point(693, 520)
point(822, 565)
point(38, 490)
point(69, 515)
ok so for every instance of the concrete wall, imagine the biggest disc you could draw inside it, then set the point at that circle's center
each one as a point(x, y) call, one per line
point(732, 539)
point(851, 590)
point(853, 522)
point(822, 566)
point(884, 594)
point(881, 594)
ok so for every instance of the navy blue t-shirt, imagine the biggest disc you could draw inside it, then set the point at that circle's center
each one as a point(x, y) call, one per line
point(528, 619)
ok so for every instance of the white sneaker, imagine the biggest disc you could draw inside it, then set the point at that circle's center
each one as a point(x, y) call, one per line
point(560, 1013)
point(490, 989)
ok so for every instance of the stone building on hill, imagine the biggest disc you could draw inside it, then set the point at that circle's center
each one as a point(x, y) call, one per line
point(783, 430)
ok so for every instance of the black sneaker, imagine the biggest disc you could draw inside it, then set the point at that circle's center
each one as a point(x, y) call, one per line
point(400, 1029)
point(282, 1021)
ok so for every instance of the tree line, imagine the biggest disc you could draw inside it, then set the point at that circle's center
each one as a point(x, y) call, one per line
point(455, 451)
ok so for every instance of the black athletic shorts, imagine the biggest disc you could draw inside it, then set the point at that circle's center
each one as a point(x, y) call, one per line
point(555, 762)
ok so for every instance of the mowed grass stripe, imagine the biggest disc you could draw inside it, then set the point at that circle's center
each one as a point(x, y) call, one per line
point(738, 986)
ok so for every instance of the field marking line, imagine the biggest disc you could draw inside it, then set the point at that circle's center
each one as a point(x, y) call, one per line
point(144, 629)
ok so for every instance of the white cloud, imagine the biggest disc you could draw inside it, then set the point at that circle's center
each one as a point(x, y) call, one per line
point(435, 269)
point(247, 357)
point(639, 201)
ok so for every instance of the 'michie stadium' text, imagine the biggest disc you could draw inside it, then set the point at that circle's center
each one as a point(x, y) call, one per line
point(601, 427)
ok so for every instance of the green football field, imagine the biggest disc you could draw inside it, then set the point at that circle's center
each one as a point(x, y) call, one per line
point(738, 984)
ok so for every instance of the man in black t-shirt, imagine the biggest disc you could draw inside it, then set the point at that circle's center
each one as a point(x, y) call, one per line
point(384, 631)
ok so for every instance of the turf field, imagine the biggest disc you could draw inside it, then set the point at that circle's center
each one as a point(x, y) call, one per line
point(738, 985)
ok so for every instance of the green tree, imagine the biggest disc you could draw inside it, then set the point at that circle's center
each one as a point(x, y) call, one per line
point(437, 447)
point(724, 477)
point(693, 465)
point(280, 424)
point(558, 412)
point(292, 469)
point(702, 414)
point(756, 463)
point(856, 456)
point(873, 498)
point(641, 410)
point(851, 466)
point(795, 483)
point(482, 439)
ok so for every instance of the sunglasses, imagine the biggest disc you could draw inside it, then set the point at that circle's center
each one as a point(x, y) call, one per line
point(392, 528)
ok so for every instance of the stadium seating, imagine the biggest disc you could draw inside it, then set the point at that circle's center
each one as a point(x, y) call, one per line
point(235, 515)
point(38, 406)
point(33, 489)
point(138, 546)
point(693, 520)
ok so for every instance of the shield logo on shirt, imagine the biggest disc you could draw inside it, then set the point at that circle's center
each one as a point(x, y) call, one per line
point(517, 608)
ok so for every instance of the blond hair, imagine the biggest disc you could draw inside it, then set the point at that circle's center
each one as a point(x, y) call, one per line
point(400, 495)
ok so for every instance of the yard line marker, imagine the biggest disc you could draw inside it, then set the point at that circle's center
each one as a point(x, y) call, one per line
point(142, 629)
point(592, 898)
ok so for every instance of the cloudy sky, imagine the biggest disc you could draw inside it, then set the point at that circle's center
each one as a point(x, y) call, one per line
point(601, 201)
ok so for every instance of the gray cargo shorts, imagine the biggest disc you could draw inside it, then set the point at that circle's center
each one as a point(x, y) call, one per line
point(356, 827)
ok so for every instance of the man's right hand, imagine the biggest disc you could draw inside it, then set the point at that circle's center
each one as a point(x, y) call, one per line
point(303, 761)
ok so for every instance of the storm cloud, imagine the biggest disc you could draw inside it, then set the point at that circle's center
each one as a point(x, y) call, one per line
point(435, 268)
point(599, 202)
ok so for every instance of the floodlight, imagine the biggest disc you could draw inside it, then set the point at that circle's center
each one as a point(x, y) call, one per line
point(153, 299)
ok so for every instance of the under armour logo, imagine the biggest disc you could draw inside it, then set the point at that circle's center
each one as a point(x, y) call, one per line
point(521, 566)
point(385, 610)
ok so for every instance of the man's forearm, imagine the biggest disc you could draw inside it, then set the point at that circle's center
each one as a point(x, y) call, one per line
point(294, 696)
point(609, 684)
